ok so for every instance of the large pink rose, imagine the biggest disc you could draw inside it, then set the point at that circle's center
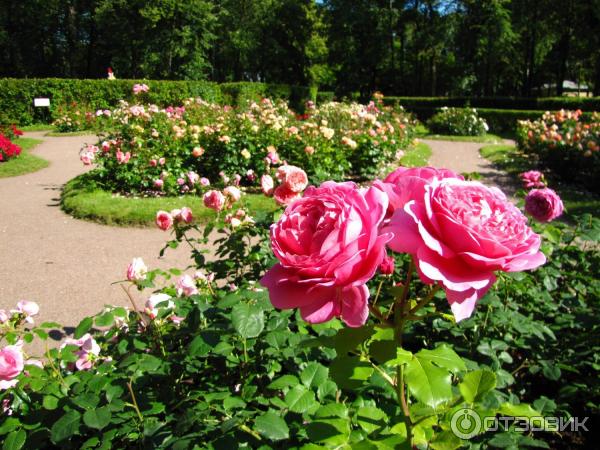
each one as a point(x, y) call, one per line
point(544, 205)
point(214, 200)
point(164, 220)
point(11, 365)
point(405, 184)
point(459, 233)
point(328, 245)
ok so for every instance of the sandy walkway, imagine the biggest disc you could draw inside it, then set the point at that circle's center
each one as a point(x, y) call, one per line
point(64, 264)
point(464, 157)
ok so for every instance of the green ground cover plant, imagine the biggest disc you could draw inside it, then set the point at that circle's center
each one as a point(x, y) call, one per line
point(25, 162)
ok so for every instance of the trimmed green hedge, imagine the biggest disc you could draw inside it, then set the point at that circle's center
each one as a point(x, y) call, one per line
point(513, 103)
point(16, 95)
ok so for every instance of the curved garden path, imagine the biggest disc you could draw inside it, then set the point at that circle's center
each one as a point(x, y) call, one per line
point(464, 157)
point(67, 265)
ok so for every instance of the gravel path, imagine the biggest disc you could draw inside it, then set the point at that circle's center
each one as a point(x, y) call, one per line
point(66, 265)
point(464, 157)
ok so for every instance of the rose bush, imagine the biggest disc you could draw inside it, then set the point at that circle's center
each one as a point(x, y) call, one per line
point(458, 121)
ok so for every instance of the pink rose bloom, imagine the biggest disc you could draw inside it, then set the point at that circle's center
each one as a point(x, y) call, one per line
point(193, 177)
point(232, 193)
point(86, 158)
point(532, 179)
point(387, 265)
point(284, 196)
point(236, 179)
point(162, 161)
point(153, 163)
point(164, 220)
point(123, 158)
point(328, 246)
point(309, 149)
point(204, 181)
point(185, 215)
point(158, 184)
point(459, 233)
point(294, 178)
point(186, 286)
point(180, 181)
point(151, 307)
point(136, 270)
point(250, 175)
point(214, 200)
point(28, 308)
point(87, 353)
point(544, 205)
point(267, 185)
point(224, 177)
point(4, 317)
point(11, 365)
point(405, 184)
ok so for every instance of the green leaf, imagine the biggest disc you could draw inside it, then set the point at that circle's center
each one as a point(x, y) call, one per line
point(370, 418)
point(272, 426)
point(443, 356)
point(348, 339)
point(333, 432)
point(50, 402)
point(65, 427)
point(402, 357)
point(520, 410)
point(446, 440)
point(299, 399)
point(314, 374)
point(248, 321)
point(428, 383)
point(283, 382)
point(105, 320)
point(477, 383)
point(9, 424)
point(349, 372)
point(97, 418)
point(15, 440)
point(83, 327)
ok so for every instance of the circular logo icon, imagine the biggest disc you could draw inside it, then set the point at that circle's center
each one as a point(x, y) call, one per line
point(465, 423)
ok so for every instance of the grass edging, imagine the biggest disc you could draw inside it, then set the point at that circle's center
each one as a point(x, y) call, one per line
point(25, 162)
point(82, 199)
point(417, 155)
point(485, 139)
point(577, 200)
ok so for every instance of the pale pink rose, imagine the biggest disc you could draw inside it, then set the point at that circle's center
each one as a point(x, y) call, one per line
point(151, 307)
point(224, 177)
point(180, 181)
point(292, 177)
point(136, 270)
point(532, 179)
point(164, 220)
point(214, 200)
point(232, 193)
point(267, 185)
point(186, 286)
point(162, 161)
point(123, 158)
point(176, 319)
point(87, 353)
point(328, 246)
point(11, 365)
point(185, 215)
point(284, 196)
point(4, 316)
point(459, 233)
point(273, 157)
point(309, 150)
point(236, 179)
point(86, 157)
point(544, 205)
point(204, 181)
point(197, 152)
point(193, 177)
point(158, 184)
point(28, 308)
point(405, 184)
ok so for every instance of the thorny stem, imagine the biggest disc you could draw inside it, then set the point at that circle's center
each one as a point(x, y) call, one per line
point(135, 404)
point(135, 308)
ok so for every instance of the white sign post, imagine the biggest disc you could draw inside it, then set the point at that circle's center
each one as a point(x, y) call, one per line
point(41, 102)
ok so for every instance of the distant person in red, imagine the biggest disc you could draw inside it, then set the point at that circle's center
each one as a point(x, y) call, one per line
point(111, 75)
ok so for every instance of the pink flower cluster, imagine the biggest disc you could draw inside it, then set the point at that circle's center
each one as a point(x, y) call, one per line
point(139, 88)
point(330, 242)
point(24, 312)
point(293, 180)
point(87, 353)
point(218, 200)
point(165, 220)
point(532, 179)
point(11, 365)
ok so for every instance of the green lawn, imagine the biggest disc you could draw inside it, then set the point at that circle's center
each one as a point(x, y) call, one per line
point(83, 201)
point(416, 156)
point(576, 199)
point(37, 127)
point(486, 138)
point(25, 162)
point(71, 133)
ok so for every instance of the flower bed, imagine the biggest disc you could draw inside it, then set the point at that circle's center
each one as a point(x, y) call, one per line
point(566, 144)
point(458, 122)
point(322, 327)
point(184, 149)
point(8, 149)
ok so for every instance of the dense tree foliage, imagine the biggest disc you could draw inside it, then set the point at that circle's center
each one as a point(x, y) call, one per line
point(406, 47)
